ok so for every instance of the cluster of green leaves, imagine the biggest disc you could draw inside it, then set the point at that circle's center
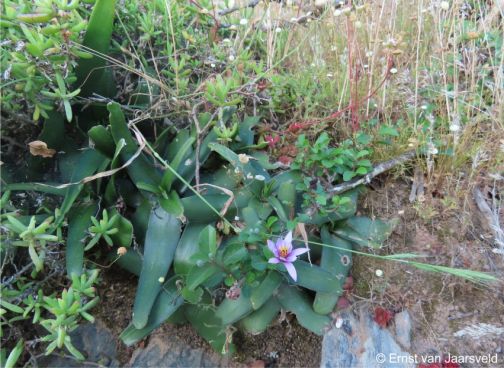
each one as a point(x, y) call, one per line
point(38, 54)
point(25, 300)
point(323, 166)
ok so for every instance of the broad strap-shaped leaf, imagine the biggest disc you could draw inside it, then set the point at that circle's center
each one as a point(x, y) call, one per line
point(315, 278)
point(187, 247)
point(167, 303)
point(162, 237)
point(90, 71)
point(231, 311)
point(365, 232)
point(265, 290)
point(79, 220)
point(259, 320)
point(203, 319)
point(336, 261)
point(297, 302)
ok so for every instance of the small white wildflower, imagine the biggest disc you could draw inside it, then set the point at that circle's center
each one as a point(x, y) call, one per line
point(393, 71)
point(293, 19)
point(237, 218)
point(333, 48)
point(346, 10)
point(204, 11)
point(237, 170)
point(369, 54)
point(20, 45)
point(233, 27)
point(121, 251)
point(455, 127)
point(161, 280)
point(231, 58)
point(445, 5)
point(7, 73)
point(329, 75)
point(278, 29)
point(423, 107)
point(379, 273)
point(341, 3)
point(243, 21)
point(365, 66)
point(250, 176)
point(360, 7)
point(260, 178)
point(339, 322)
point(188, 162)
point(226, 40)
point(337, 13)
point(358, 24)
point(243, 158)
point(212, 65)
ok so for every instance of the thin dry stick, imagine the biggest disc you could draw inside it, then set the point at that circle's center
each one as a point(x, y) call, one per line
point(379, 169)
point(250, 4)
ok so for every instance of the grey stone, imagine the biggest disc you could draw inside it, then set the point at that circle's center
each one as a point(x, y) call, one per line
point(94, 341)
point(403, 327)
point(361, 343)
point(168, 351)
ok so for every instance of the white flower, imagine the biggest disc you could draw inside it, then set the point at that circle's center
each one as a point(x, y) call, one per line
point(379, 273)
point(455, 127)
point(231, 58)
point(243, 158)
point(445, 5)
point(329, 75)
point(423, 107)
point(369, 54)
point(237, 218)
point(161, 280)
point(226, 40)
point(212, 65)
point(346, 10)
point(339, 322)
point(278, 29)
point(188, 162)
point(243, 21)
point(337, 13)
point(260, 177)
point(358, 24)
point(250, 176)
point(393, 71)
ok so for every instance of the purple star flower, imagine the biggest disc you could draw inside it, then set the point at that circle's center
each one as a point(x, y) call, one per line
point(285, 254)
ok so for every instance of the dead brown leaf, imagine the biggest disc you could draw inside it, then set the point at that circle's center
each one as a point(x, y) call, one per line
point(39, 148)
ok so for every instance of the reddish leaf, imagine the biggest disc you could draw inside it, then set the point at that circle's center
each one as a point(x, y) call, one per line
point(449, 364)
point(382, 317)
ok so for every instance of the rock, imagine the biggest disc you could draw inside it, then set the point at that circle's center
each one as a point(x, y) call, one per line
point(168, 351)
point(94, 341)
point(360, 342)
point(403, 329)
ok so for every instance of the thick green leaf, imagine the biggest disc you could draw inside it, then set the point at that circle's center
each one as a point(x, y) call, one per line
point(169, 176)
point(198, 275)
point(97, 38)
point(85, 163)
point(124, 236)
point(131, 261)
point(231, 311)
point(297, 302)
point(263, 292)
point(208, 326)
point(141, 170)
point(365, 232)
point(315, 278)
point(167, 303)
point(162, 237)
point(208, 241)
point(79, 220)
point(259, 320)
point(336, 261)
point(172, 204)
point(234, 253)
point(187, 247)
point(102, 140)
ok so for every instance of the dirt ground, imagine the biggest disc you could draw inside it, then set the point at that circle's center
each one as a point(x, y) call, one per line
point(446, 229)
